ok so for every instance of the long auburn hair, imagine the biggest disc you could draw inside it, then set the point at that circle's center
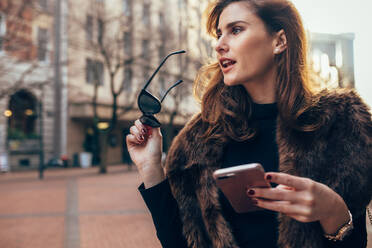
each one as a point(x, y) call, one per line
point(226, 108)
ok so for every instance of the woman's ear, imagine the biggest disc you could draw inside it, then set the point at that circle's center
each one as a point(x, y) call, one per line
point(280, 42)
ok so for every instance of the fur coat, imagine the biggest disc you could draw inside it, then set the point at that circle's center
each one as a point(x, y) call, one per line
point(338, 154)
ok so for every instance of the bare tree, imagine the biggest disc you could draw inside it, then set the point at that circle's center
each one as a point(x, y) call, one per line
point(108, 43)
point(107, 40)
point(19, 58)
point(188, 65)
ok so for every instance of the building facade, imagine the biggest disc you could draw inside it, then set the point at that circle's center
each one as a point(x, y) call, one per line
point(114, 47)
point(90, 59)
point(332, 57)
point(27, 90)
point(83, 54)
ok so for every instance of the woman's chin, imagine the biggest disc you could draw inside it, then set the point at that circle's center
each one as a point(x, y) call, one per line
point(228, 82)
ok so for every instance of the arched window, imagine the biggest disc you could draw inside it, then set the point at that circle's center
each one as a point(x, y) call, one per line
point(22, 121)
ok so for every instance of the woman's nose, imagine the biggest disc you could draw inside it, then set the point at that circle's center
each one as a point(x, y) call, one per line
point(221, 45)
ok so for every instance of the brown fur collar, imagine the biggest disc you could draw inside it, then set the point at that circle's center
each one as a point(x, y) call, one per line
point(338, 155)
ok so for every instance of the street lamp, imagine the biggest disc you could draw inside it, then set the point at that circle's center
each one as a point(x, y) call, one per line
point(103, 126)
point(8, 113)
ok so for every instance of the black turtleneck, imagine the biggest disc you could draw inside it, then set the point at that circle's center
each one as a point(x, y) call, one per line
point(254, 229)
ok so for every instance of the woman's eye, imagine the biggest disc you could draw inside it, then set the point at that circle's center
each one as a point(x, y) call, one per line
point(236, 30)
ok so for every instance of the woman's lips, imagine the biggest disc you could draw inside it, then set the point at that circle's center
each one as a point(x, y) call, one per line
point(226, 64)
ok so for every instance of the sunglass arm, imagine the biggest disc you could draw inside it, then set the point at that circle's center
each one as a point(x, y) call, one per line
point(174, 85)
point(157, 69)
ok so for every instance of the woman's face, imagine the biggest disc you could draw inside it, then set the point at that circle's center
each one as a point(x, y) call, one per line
point(245, 49)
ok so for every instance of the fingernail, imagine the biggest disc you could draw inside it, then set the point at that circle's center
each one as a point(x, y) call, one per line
point(142, 138)
point(148, 129)
point(268, 177)
point(251, 192)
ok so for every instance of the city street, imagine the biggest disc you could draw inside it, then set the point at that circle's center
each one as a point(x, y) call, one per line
point(74, 208)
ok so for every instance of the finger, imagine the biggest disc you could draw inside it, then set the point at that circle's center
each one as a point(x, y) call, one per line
point(277, 194)
point(284, 207)
point(281, 186)
point(134, 130)
point(131, 139)
point(298, 183)
point(141, 127)
point(146, 128)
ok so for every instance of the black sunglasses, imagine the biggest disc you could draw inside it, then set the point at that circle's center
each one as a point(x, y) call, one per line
point(149, 104)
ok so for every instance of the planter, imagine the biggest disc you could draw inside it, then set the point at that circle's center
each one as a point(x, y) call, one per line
point(85, 159)
point(4, 162)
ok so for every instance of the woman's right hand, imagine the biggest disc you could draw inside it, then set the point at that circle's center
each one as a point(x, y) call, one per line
point(145, 148)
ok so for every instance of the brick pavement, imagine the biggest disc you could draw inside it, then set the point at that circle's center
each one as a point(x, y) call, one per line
point(76, 208)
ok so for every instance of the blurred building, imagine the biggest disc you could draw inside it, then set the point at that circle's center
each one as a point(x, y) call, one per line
point(26, 84)
point(113, 48)
point(70, 59)
point(332, 58)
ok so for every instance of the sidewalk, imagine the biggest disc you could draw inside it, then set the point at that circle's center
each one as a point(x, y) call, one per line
point(77, 208)
point(74, 208)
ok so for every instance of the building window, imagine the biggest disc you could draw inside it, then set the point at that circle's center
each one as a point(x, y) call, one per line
point(94, 72)
point(127, 39)
point(101, 30)
point(89, 27)
point(161, 20)
point(99, 73)
point(88, 71)
point(146, 14)
point(163, 29)
point(2, 30)
point(145, 49)
point(161, 76)
point(127, 7)
point(22, 121)
point(127, 79)
point(161, 84)
point(161, 51)
point(42, 44)
point(146, 57)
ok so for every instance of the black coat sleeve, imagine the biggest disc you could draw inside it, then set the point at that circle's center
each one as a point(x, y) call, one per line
point(165, 214)
point(357, 238)
point(352, 146)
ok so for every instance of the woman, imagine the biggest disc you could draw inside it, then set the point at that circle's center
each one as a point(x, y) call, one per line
point(257, 107)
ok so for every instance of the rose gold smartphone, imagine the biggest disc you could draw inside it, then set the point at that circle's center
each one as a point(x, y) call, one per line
point(234, 181)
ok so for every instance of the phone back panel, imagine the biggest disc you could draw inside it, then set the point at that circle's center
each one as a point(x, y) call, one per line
point(234, 182)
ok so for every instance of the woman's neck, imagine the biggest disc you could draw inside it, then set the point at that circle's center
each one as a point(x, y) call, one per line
point(263, 90)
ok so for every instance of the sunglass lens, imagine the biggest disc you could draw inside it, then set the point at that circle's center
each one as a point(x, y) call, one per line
point(150, 121)
point(148, 103)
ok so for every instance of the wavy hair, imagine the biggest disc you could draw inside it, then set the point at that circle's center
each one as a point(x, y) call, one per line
point(225, 108)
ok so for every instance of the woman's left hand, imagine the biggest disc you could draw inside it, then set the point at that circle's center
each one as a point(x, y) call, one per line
point(302, 199)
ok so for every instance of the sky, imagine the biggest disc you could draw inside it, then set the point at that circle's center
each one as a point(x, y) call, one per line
point(345, 16)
